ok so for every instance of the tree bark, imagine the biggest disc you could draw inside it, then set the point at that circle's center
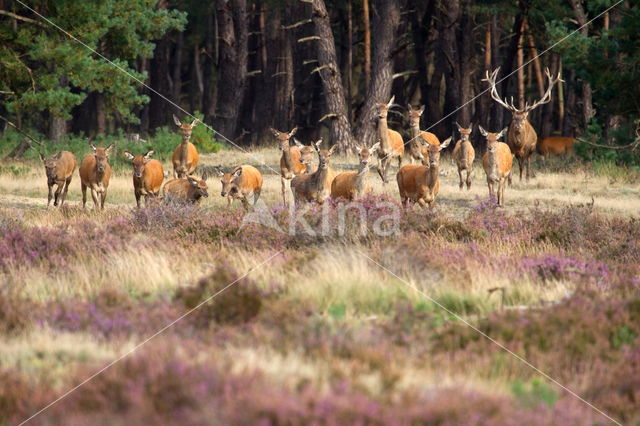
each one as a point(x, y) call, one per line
point(385, 27)
point(340, 128)
point(177, 68)
point(367, 44)
point(57, 124)
point(587, 93)
point(466, 62)
point(232, 21)
point(208, 86)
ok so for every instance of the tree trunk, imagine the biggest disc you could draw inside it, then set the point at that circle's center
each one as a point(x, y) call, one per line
point(367, 44)
point(57, 124)
point(466, 66)
point(385, 27)
point(587, 94)
point(336, 107)
point(208, 72)
point(497, 117)
point(159, 110)
point(232, 21)
point(177, 67)
point(101, 116)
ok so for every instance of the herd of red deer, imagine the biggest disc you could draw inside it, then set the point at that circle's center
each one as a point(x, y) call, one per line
point(417, 183)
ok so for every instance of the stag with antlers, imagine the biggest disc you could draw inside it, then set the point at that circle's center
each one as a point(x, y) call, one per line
point(522, 136)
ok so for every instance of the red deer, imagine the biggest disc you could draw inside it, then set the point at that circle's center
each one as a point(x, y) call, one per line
point(351, 185)
point(59, 168)
point(95, 173)
point(185, 156)
point(241, 184)
point(464, 154)
point(317, 185)
point(295, 160)
point(522, 136)
point(147, 176)
point(421, 184)
point(497, 162)
point(417, 151)
point(391, 143)
point(555, 145)
point(186, 190)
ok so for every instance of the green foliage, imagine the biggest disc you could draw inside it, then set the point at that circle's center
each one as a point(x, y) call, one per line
point(623, 336)
point(14, 170)
point(534, 392)
point(337, 311)
point(203, 138)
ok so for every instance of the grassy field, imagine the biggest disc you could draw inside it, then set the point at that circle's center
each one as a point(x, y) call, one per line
point(356, 328)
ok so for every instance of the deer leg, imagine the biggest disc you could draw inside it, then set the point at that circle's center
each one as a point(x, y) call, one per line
point(380, 168)
point(84, 195)
point(256, 196)
point(460, 175)
point(491, 193)
point(138, 195)
point(245, 203)
point(422, 203)
point(103, 199)
point(57, 194)
point(50, 195)
point(529, 169)
point(96, 201)
point(284, 188)
point(66, 189)
point(468, 178)
point(399, 161)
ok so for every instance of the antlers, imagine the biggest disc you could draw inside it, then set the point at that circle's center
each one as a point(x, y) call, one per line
point(491, 79)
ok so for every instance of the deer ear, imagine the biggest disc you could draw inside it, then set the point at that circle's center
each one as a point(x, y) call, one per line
point(458, 126)
point(274, 132)
point(421, 110)
point(317, 143)
point(42, 157)
point(298, 143)
point(194, 123)
point(293, 131)
point(148, 155)
point(483, 132)
point(358, 149)
point(128, 155)
point(393, 98)
point(375, 147)
point(423, 141)
point(175, 120)
point(237, 172)
point(92, 146)
point(333, 148)
point(108, 149)
point(503, 132)
point(192, 181)
point(205, 175)
point(445, 143)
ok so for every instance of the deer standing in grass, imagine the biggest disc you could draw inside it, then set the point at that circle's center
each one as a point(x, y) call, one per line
point(295, 160)
point(351, 185)
point(185, 156)
point(95, 173)
point(555, 145)
point(242, 183)
point(391, 143)
point(421, 184)
point(317, 185)
point(187, 190)
point(464, 154)
point(522, 136)
point(147, 176)
point(497, 162)
point(417, 151)
point(59, 168)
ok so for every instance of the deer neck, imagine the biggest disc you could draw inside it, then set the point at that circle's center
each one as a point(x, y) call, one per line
point(184, 149)
point(415, 132)
point(431, 175)
point(286, 156)
point(464, 149)
point(383, 134)
point(493, 165)
point(320, 177)
point(361, 178)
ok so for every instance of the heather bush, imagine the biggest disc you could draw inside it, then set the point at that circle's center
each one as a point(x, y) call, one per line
point(15, 312)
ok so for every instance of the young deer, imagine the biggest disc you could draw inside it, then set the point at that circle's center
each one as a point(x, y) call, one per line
point(187, 190)
point(417, 151)
point(464, 154)
point(556, 145)
point(147, 176)
point(391, 143)
point(59, 168)
point(295, 160)
point(241, 184)
point(185, 156)
point(95, 173)
point(317, 185)
point(421, 184)
point(351, 185)
point(497, 162)
point(522, 137)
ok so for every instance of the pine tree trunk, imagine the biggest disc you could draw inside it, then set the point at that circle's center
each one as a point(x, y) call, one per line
point(334, 94)
point(232, 21)
point(367, 44)
point(587, 93)
point(465, 62)
point(385, 27)
point(208, 86)
point(58, 125)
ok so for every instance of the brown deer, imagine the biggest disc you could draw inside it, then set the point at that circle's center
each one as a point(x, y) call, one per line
point(315, 186)
point(556, 145)
point(185, 156)
point(59, 168)
point(464, 154)
point(147, 176)
point(497, 162)
point(417, 151)
point(351, 185)
point(421, 184)
point(241, 184)
point(294, 161)
point(391, 143)
point(95, 173)
point(522, 136)
point(186, 190)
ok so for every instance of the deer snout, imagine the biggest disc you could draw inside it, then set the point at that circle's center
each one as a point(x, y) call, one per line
point(100, 167)
point(138, 174)
point(223, 194)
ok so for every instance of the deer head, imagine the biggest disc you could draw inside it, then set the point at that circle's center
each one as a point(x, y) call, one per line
point(520, 114)
point(199, 187)
point(414, 115)
point(139, 162)
point(434, 150)
point(229, 183)
point(464, 132)
point(283, 137)
point(492, 138)
point(383, 109)
point(306, 153)
point(50, 165)
point(324, 155)
point(365, 155)
point(102, 156)
point(184, 128)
